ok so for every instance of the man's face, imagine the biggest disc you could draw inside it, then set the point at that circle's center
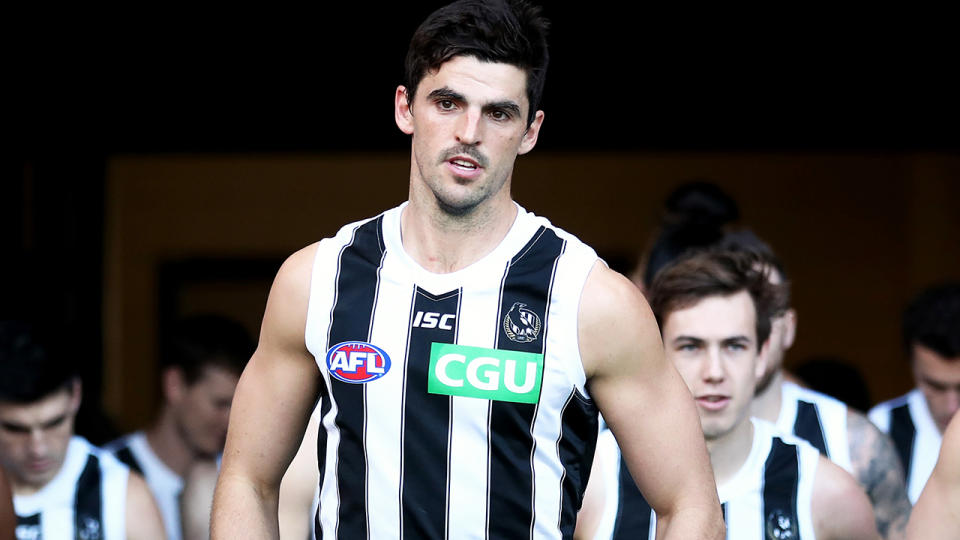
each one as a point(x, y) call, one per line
point(34, 437)
point(939, 380)
point(713, 344)
point(202, 409)
point(469, 122)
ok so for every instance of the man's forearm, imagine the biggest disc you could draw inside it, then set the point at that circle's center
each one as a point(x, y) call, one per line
point(242, 510)
point(706, 523)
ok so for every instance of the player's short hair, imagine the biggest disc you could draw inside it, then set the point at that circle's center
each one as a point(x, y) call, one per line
point(207, 340)
point(29, 369)
point(507, 31)
point(717, 272)
point(932, 319)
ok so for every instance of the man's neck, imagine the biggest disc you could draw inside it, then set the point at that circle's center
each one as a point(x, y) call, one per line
point(167, 443)
point(443, 243)
point(730, 451)
point(766, 404)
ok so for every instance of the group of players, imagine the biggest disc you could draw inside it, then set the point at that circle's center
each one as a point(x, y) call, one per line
point(472, 371)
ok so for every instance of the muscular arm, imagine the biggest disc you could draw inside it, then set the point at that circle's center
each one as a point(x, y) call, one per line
point(841, 510)
point(272, 404)
point(143, 521)
point(877, 468)
point(196, 500)
point(648, 407)
point(936, 515)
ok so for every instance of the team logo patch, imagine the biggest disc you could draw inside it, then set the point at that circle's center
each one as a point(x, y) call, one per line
point(780, 526)
point(357, 362)
point(521, 324)
point(495, 374)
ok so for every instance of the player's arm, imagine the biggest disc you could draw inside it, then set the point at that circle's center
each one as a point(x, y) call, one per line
point(841, 510)
point(271, 406)
point(877, 467)
point(936, 515)
point(647, 407)
point(299, 485)
point(143, 520)
point(196, 500)
point(594, 500)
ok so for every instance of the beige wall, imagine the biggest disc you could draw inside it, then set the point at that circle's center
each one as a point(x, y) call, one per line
point(859, 233)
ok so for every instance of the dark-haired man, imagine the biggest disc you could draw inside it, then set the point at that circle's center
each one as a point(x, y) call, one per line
point(464, 345)
point(63, 487)
point(917, 420)
point(715, 309)
point(200, 368)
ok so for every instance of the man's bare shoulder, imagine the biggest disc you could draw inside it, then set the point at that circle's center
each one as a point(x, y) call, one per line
point(614, 317)
point(840, 507)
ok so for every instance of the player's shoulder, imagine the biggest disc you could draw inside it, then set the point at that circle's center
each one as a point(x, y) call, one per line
point(840, 506)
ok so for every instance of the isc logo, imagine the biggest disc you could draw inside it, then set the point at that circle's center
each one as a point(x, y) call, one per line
point(357, 362)
point(429, 319)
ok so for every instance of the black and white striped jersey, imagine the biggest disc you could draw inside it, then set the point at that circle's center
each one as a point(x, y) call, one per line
point(818, 419)
point(134, 451)
point(453, 404)
point(908, 421)
point(87, 499)
point(768, 497)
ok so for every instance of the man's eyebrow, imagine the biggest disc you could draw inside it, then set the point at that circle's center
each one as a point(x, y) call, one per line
point(445, 93)
point(692, 339)
point(507, 105)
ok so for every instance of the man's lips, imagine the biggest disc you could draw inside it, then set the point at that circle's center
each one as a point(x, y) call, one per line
point(464, 167)
point(713, 402)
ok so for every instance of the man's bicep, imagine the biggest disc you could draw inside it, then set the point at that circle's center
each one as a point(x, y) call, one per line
point(878, 469)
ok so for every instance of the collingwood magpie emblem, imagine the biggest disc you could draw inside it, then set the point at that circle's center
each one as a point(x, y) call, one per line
point(521, 324)
point(780, 526)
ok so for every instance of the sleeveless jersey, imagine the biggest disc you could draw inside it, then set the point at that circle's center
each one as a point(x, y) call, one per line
point(818, 419)
point(473, 421)
point(165, 485)
point(768, 497)
point(908, 421)
point(86, 500)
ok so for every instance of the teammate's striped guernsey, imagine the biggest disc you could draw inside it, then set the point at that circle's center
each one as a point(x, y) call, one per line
point(818, 419)
point(165, 485)
point(768, 497)
point(908, 421)
point(87, 499)
point(474, 421)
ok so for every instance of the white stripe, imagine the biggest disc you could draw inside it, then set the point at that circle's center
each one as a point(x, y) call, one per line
point(383, 433)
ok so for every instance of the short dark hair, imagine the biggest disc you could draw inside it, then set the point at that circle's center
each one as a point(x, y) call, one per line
point(507, 31)
point(29, 370)
point(207, 340)
point(932, 319)
point(716, 272)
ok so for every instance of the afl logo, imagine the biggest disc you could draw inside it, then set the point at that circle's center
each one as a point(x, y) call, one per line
point(357, 362)
point(521, 324)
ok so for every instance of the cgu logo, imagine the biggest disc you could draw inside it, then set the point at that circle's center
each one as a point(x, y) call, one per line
point(357, 362)
point(459, 370)
point(429, 319)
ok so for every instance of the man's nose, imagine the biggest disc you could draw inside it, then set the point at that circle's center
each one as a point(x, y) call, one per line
point(469, 128)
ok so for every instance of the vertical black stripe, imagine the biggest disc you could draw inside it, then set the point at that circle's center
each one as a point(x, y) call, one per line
point(809, 427)
point(317, 531)
point(578, 443)
point(904, 435)
point(723, 510)
point(524, 301)
point(633, 511)
point(352, 319)
point(325, 406)
point(781, 477)
point(427, 426)
point(88, 504)
point(126, 457)
point(28, 528)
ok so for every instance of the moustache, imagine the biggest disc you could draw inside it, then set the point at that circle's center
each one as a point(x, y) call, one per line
point(464, 150)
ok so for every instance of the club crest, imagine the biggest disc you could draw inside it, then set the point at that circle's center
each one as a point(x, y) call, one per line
point(521, 324)
point(780, 526)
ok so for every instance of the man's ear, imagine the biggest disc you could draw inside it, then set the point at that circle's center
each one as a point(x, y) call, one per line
point(789, 328)
point(174, 384)
point(402, 110)
point(763, 360)
point(76, 395)
point(530, 136)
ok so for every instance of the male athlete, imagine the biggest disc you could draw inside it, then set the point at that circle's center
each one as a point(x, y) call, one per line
point(936, 515)
point(917, 420)
point(201, 366)
point(63, 487)
point(715, 309)
point(845, 436)
point(464, 345)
